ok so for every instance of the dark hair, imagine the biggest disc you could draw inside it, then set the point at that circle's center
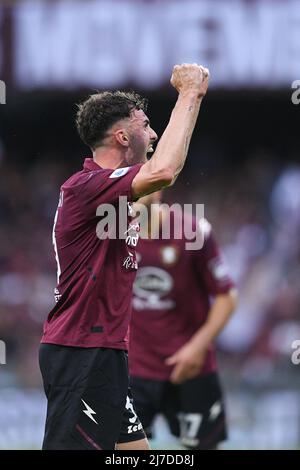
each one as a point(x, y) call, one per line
point(102, 110)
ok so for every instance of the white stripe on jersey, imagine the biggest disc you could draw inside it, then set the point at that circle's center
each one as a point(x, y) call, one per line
point(55, 247)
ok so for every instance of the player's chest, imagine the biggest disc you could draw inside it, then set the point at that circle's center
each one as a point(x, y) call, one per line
point(164, 254)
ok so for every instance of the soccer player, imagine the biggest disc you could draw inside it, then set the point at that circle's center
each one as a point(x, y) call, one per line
point(172, 361)
point(83, 356)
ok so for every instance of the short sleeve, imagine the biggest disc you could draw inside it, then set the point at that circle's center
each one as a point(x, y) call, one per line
point(210, 265)
point(106, 186)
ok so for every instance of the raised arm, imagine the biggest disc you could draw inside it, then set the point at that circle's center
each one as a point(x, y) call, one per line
point(191, 82)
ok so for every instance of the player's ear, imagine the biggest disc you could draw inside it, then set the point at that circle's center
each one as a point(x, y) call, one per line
point(122, 137)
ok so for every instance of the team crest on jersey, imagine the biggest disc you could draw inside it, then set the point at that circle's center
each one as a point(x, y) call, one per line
point(169, 254)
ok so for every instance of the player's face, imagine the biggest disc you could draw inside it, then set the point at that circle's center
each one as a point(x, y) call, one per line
point(141, 136)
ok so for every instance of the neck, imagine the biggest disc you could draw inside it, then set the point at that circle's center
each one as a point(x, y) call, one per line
point(109, 157)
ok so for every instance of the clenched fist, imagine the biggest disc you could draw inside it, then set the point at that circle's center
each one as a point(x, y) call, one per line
point(190, 77)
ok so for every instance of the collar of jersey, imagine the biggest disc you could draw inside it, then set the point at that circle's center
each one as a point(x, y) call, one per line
point(90, 164)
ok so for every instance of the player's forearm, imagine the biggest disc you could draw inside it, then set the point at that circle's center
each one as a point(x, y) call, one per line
point(221, 310)
point(191, 82)
point(171, 151)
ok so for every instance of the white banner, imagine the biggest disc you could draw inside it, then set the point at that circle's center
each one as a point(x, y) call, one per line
point(113, 43)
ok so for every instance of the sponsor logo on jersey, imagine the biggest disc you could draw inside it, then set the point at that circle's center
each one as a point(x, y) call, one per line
point(130, 262)
point(151, 287)
point(132, 235)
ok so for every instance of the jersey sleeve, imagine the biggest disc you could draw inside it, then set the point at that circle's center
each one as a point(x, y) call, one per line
point(106, 186)
point(210, 265)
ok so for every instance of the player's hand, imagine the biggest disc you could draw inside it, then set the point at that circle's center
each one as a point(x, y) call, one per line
point(190, 78)
point(187, 362)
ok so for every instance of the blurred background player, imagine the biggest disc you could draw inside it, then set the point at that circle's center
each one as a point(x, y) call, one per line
point(172, 358)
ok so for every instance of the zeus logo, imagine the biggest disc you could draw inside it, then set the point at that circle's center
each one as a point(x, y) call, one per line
point(88, 411)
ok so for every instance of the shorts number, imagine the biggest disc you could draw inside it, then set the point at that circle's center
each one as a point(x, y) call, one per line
point(189, 424)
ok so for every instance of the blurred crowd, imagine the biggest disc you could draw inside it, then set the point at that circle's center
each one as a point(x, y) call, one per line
point(254, 208)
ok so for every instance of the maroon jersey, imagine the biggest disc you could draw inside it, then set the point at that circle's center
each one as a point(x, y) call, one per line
point(95, 276)
point(171, 300)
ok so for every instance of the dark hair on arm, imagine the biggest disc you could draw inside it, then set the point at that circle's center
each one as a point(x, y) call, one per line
point(101, 111)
